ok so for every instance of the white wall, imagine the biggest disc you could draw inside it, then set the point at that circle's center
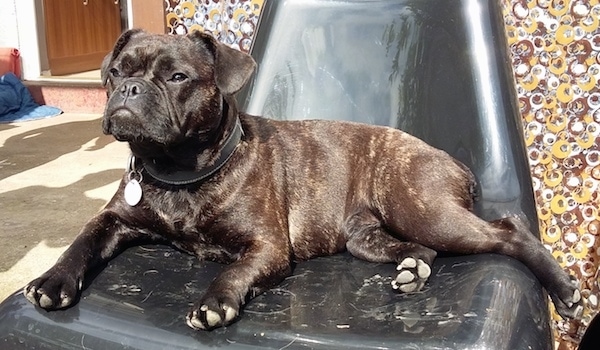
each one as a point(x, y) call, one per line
point(18, 28)
point(9, 35)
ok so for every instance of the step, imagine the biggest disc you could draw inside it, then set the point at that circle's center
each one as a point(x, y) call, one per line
point(70, 95)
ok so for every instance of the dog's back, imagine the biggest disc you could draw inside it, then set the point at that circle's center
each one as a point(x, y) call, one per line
point(330, 170)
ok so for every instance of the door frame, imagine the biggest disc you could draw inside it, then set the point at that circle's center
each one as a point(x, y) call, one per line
point(28, 39)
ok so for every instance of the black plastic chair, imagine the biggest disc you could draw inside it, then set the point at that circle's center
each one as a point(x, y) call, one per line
point(437, 69)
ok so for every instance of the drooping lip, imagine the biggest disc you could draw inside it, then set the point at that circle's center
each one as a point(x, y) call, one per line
point(125, 126)
point(121, 123)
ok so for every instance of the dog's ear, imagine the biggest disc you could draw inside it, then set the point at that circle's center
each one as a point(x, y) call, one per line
point(119, 45)
point(233, 68)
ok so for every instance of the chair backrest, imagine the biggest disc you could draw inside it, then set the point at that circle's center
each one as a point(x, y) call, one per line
point(439, 70)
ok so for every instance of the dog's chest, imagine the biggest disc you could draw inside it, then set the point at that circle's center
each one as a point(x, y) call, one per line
point(191, 222)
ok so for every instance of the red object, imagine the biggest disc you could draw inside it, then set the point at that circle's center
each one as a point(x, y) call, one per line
point(10, 61)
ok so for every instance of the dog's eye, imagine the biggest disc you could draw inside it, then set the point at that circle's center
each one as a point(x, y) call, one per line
point(115, 72)
point(178, 77)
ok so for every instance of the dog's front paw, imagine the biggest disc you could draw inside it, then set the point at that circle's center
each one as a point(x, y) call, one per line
point(53, 290)
point(568, 301)
point(211, 313)
point(413, 273)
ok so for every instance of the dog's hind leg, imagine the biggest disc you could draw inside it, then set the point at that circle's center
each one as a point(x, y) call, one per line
point(368, 240)
point(456, 229)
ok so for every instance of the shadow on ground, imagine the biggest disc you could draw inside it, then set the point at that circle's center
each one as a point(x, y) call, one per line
point(54, 176)
point(40, 146)
point(55, 215)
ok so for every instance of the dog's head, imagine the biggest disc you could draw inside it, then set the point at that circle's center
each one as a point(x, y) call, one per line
point(164, 89)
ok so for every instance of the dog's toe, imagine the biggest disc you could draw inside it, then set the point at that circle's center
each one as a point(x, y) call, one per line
point(413, 273)
point(30, 292)
point(576, 296)
point(212, 317)
point(204, 319)
point(407, 263)
point(45, 301)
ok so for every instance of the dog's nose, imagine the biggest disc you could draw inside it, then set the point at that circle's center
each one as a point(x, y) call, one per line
point(132, 89)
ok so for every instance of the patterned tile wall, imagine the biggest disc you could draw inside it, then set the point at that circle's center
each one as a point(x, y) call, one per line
point(555, 50)
point(231, 21)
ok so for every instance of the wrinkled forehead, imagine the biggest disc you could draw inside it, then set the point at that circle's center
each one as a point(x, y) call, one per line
point(163, 53)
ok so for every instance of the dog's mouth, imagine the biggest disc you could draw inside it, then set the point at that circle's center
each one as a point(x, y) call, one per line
point(126, 126)
point(123, 125)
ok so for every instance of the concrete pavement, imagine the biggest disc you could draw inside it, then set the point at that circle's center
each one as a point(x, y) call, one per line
point(54, 175)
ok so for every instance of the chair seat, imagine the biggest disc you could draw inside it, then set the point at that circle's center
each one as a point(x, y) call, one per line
point(140, 300)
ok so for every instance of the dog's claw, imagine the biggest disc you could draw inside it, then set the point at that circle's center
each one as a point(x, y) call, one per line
point(193, 321)
point(413, 275)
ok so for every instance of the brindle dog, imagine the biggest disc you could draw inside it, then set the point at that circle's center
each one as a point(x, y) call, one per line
point(258, 194)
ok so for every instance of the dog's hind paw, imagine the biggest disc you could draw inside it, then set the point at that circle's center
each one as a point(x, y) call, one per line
point(570, 306)
point(210, 314)
point(412, 276)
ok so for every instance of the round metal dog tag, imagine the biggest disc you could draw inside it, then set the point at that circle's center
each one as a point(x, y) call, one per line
point(133, 192)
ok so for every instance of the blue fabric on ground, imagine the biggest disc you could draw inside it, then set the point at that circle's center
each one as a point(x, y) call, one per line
point(17, 104)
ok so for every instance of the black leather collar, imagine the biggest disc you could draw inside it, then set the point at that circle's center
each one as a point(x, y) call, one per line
point(183, 178)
